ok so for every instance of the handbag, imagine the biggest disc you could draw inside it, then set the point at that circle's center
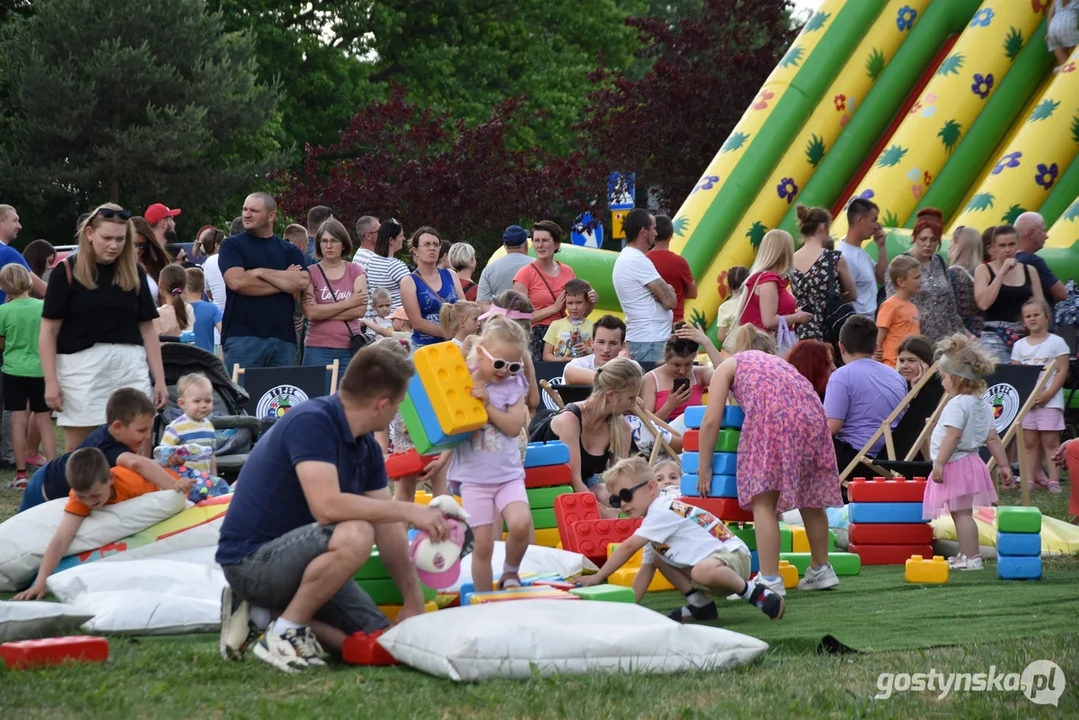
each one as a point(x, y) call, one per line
point(785, 337)
point(836, 310)
point(356, 341)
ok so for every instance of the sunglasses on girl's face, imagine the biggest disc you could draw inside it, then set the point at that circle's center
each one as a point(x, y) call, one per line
point(625, 495)
point(109, 214)
point(500, 364)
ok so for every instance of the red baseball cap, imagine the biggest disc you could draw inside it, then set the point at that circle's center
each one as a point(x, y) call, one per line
point(158, 212)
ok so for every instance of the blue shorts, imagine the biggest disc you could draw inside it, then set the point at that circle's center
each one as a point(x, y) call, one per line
point(34, 494)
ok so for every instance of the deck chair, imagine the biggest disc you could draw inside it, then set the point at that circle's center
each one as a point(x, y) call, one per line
point(1019, 384)
point(273, 391)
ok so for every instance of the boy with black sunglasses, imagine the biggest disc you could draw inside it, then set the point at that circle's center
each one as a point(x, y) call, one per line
point(692, 547)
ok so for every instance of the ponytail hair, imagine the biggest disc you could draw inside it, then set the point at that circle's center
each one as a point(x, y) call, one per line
point(620, 376)
point(451, 315)
point(171, 286)
point(811, 218)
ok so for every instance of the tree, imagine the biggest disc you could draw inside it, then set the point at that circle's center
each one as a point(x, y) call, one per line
point(401, 159)
point(132, 101)
point(705, 71)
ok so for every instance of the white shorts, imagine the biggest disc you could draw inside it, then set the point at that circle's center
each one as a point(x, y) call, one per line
point(88, 378)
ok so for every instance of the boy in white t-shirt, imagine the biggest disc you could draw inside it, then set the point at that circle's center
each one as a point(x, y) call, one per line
point(692, 548)
point(1043, 423)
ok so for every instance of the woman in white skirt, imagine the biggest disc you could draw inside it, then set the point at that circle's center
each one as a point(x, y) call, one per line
point(97, 328)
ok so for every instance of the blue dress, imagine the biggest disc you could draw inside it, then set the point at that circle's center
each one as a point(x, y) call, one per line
point(431, 301)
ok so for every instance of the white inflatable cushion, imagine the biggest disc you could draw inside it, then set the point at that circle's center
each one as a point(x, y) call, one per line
point(24, 537)
point(538, 560)
point(144, 597)
point(37, 618)
point(555, 637)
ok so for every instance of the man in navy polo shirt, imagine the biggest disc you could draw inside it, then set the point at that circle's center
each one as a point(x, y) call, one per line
point(1030, 226)
point(309, 504)
point(263, 274)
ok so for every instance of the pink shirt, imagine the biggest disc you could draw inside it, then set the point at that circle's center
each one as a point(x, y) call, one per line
point(332, 333)
point(539, 294)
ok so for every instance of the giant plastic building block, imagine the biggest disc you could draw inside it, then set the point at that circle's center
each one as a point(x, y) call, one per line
point(401, 465)
point(54, 651)
point(1019, 568)
point(556, 584)
point(722, 486)
point(549, 453)
point(1019, 519)
point(391, 611)
point(427, 435)
point(442, 370)
point(789, 573)
point(636, 560)
point(890, 533)
point(881, 490)
point(548, 537)
point(572, 508)
point(722, 463)
point(932, 570)
point(844, 563)
point(373, 569)
point(726, 440)
point(544, 497)
point(746, 532)
point(542, 519)
point(800, 540)
point(886, 512)
point(522, 593)
point(548, 476)
point(423, 497)
point(889, 554)
point(722, 508)
point(590, 537)
point(1020, 544)
point(733, 417)
point(625, 577)
point(363, 649)
point(606, 593)
point(384, 591)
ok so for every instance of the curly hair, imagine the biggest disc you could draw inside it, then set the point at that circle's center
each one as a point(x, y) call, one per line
point(962, 351)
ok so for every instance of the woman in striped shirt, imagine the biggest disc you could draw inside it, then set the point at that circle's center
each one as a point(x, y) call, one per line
point(383, 269)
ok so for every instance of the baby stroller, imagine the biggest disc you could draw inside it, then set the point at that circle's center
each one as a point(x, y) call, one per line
point(236, 430)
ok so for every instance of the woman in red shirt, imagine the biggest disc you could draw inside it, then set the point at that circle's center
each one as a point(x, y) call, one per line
point(766, 295)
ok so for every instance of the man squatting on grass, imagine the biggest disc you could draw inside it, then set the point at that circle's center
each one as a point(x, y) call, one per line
point(309, 504)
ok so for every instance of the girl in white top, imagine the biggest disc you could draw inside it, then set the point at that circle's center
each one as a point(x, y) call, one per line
point(960, 480)
point(1042, 425)
point(175, 314)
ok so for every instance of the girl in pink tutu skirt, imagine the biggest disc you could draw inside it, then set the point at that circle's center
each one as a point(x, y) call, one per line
point(960, 479)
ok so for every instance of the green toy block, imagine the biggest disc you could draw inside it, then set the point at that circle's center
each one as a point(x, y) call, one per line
point(843, 563)
point(747, 534)
point(1019, 519)
point(544, 497)
point(606, 593)
point(385, 592)
point(831, 542)
point(542, 519)
point(416, 433)
point(786, 540)
point(373, 569)
point(727, 440)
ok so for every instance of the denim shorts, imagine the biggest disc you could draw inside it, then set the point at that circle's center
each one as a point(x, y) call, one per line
point(270, 577)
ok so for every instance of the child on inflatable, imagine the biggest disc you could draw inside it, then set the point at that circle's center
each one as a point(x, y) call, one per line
point(187, 445)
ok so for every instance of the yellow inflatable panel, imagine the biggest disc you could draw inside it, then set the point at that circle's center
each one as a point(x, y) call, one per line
point(1058, 537)
point(1065, 231)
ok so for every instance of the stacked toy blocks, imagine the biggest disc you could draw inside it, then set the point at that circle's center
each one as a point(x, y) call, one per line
point(439, 410)
point(547, 476)
point(581, 529)
point(1019, 543)
point(722, 500)
point(886, 525)
point(375, 580)
point(626, 575)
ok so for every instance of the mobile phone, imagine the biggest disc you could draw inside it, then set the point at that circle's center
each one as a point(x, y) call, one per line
point(679, 383)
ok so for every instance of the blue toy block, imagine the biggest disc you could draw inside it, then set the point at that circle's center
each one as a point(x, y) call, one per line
point(722, 463)
point(754, 563)
point(544, 454)
point(417, 408)
point(886, 512)
point(1019, 544)
point(733, 417)
point(693, 416)
point(724, 486)
point(1019, 568)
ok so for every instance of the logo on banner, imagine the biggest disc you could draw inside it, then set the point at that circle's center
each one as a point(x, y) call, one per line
point(1004, 400)
point(277, 401)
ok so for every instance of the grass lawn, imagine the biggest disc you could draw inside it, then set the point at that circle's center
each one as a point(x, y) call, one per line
point(967, 626)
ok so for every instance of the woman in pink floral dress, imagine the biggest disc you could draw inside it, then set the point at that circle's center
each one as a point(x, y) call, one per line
point(785, 454)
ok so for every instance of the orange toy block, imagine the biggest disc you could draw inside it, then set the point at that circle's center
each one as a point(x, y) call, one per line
point(391, 611)
point(591, 537)
point(548, 476)
point(626, 575)
point(401, 465)
point(571, 508)
point(882, 490)
point(920, 570)
point(723, 508)
point(442, 370)
point(54, 651)
point(789, 573)
point(361, 649)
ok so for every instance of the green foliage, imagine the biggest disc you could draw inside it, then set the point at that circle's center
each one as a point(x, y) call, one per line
point(792, 58)
point(1013, 43)
point(816, 22)
point(891, 156)
point(950, 134)
point(734, 142)
point(874, 64)
point(135, 101)
point(756, 233)
point(889, 219)
point(980, 202)
point(815, 150)
point(951, 65)
point(681, 225)
point(1013, 214)
point(1043, 110)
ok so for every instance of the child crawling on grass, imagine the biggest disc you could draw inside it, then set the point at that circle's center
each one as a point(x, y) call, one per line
point(690, 546)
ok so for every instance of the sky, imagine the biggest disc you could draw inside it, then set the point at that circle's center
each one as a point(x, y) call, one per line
point(802, 6)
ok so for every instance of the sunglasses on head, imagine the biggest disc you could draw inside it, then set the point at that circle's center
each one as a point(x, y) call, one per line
point(625, 495)
point(109, 214)
point(500, 364)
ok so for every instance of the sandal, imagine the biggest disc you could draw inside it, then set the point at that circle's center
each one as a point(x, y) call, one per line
point(1009, 485)
point(509, 581)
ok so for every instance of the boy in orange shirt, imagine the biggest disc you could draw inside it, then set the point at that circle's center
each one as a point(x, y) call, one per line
point(897, 318)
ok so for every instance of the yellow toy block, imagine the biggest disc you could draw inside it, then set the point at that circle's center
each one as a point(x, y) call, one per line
point(626, 575)
point(525, 593)
point(920, 570)
point(789, 573)
point(547, 537)
point(424, 498)
point(799, 539)
point(442, 370)
point(391, 611)
point(634, 562)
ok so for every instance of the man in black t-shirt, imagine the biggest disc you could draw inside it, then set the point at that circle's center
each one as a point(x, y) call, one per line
point(1032, 236)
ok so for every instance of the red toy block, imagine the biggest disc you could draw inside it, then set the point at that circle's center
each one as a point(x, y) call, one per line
point(591, 537)
point(54, 651)
point(361, 649)
point(571, 508)
point(548, 476)
point(691, 441)
point(891, 534)
point(723, 508)
point(401, 465)
point(556, 584)
point(881, 490)
point(889, 554)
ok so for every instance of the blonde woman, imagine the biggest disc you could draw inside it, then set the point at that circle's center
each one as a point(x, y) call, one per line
point(97, 328)
point(766, 297)
point(964, 256)
point(462, 257)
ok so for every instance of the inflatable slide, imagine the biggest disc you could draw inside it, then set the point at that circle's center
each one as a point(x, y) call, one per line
point(912, 103)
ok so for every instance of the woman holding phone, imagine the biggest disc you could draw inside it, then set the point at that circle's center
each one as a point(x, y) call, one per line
point(677, 384)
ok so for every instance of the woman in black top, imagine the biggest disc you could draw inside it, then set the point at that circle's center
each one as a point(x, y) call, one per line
point(97, 328)
point(1001, 286)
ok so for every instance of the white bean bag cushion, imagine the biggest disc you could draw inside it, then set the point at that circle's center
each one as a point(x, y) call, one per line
point(37, 618)
point(538, 560)
point(555, 637)
point(144, 597)
point(24, 537)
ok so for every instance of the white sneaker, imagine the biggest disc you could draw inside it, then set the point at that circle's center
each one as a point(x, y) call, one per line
point(962, 562)
point(823, 578)
point(283, 650)
point(776, 586)
point(237, 630)
point(309, 648)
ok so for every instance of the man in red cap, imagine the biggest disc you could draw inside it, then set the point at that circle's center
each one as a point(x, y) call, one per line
point(161, 220)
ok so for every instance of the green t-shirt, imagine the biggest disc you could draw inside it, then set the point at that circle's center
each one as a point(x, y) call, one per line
point(20, 325)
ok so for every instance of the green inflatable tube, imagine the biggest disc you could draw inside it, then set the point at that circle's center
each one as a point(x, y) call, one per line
point(778, 131)
point(985, 134)
point(941, 19)
point(1062, 196)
